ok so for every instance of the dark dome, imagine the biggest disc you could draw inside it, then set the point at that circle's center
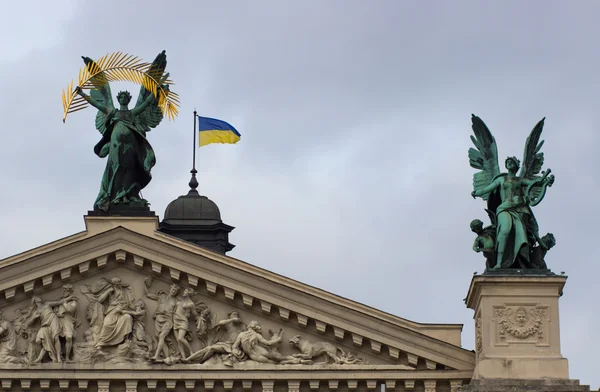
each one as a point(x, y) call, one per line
point(197, 219)
point(192, 209)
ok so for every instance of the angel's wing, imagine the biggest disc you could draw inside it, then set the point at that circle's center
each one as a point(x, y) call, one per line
point(101, 92)
point(533, 159)
point(485, 157)
point(151, 116)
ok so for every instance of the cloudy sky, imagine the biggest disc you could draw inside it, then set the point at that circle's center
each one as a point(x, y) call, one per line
point(352, 173)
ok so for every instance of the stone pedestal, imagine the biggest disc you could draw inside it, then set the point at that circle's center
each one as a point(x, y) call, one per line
point(517, 326)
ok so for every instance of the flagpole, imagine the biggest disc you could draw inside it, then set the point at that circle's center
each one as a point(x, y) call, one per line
point(194, 182)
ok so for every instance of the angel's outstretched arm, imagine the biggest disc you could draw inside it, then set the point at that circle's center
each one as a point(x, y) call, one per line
point(493, 185)
point(92, 101)
point(140, 108)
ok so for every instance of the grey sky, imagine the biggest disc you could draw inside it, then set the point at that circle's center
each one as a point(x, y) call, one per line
point(352, 173)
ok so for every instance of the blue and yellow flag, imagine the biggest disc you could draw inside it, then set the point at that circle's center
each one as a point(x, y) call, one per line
point(211, 130)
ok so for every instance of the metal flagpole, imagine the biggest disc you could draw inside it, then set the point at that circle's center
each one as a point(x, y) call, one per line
point(194, 182)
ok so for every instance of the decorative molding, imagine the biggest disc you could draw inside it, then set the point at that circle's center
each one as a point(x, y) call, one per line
point(266, 306)
point(478, 337)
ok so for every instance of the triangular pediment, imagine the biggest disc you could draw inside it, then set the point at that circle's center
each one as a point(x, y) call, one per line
point(133, 250)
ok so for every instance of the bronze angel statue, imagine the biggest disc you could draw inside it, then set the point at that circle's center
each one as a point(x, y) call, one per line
point(130, 156)
point(510, 197)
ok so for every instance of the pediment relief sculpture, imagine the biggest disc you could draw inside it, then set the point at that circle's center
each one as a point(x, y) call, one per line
point(108, 324)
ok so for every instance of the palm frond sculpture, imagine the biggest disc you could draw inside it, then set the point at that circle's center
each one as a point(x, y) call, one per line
point(96, 75)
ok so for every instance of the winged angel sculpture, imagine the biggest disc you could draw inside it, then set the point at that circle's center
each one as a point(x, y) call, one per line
point(130, 156)
point(513, 239)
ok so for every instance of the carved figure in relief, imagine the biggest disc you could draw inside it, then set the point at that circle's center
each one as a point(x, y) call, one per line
point(184, 309)
point(8, 343)
point(115, 324)
point(47, 337)
point(252, 344)
point(139, 330)
point(333, 354)
point(163, 318)
point(67, 313)
point(226, 331)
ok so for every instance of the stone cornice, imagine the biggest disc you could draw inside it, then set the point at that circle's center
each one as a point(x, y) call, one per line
point(231, 276)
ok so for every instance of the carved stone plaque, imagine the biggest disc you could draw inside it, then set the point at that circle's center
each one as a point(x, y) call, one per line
point(521, 324)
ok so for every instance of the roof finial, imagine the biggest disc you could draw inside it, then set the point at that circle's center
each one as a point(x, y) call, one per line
point(194, 182)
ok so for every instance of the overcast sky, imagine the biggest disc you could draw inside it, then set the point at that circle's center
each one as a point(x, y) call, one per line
point(352, 172)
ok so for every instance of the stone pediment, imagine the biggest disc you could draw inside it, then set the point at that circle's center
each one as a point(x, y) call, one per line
point(327, 331)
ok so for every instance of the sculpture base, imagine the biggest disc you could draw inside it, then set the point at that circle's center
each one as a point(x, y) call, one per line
point(525, 385)
point(517, 325)
point(519, 272)
point(124, 210)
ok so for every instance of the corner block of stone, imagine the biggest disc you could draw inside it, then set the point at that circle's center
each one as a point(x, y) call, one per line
point(229, 293)
point(211, 287)
point(84, 267)
point(412, 359)
point(103, 385)
point(321, 326)
point(65, 273)
point(156, 267)
point(120, 256)
point(430, 385)
point(10, 293)
point(267, 385)
point(64, 384)
point(131, 385)
point(265, 307)
point(138, 261)
point(101, 261)
point(193, 280)
point(174, 274)
point(375, 346)
point(302, 320)
point(248, 300)
point(293, 386)
point(284, 313)
point(394, 352)
point(28, 287)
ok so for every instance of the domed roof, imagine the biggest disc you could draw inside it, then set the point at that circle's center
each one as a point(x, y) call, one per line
point(192, 209)
point(197, 219)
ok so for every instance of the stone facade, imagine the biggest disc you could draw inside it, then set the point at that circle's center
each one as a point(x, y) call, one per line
point(124, 307)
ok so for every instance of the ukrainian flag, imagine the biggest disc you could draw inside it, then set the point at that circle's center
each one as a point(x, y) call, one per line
point(211, 130)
